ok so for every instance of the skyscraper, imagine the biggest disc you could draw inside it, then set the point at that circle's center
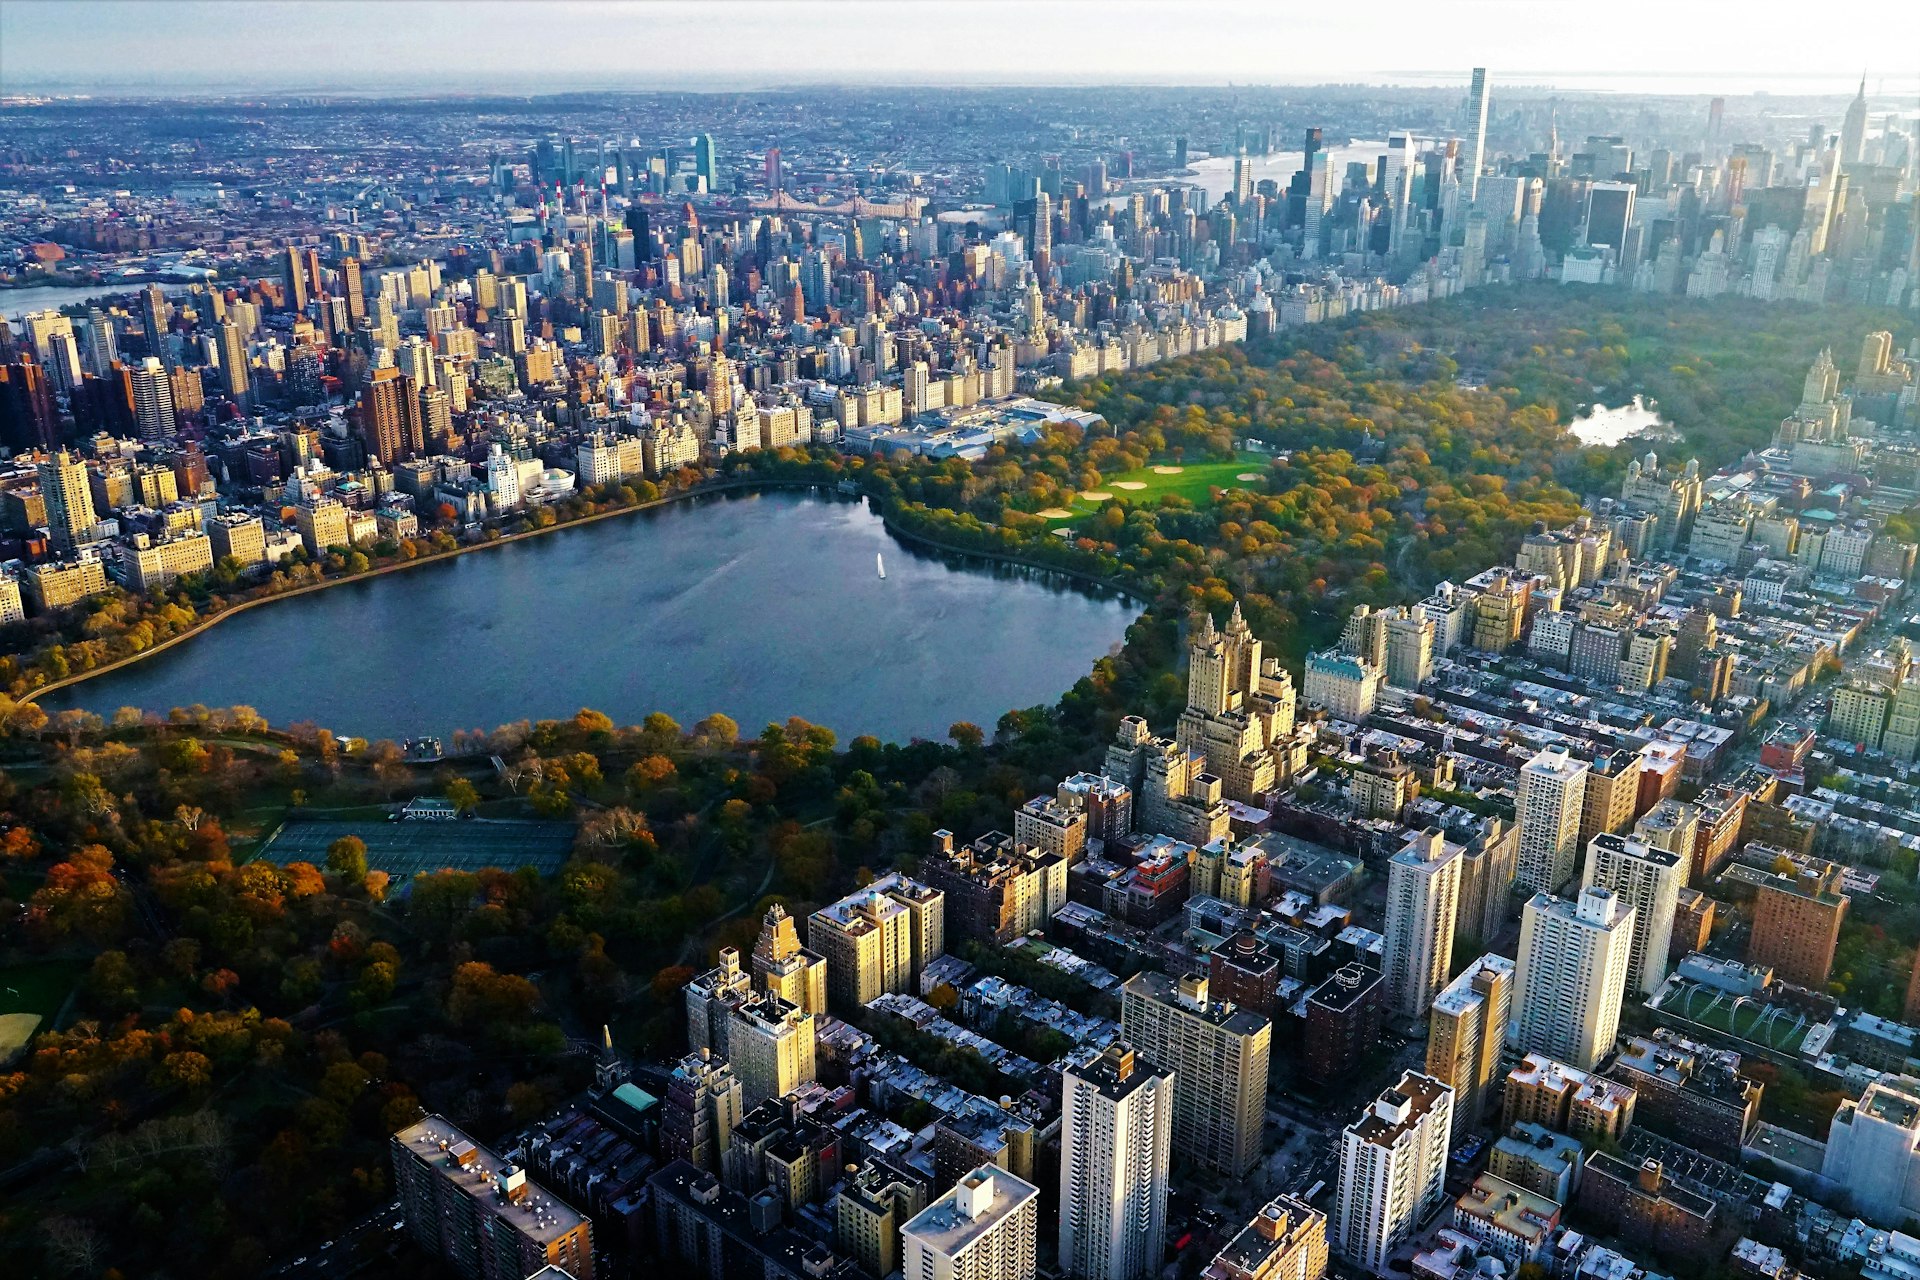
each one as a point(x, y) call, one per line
point(390, 416)
point(351, 286)
point(1423, 902)
point(1116, 1132)
point(153, 319)
point(234, 364)
point(1218, 1055)
point(294, 271)
point(1477, 129)
point(28, 419)
point(1649, 880)
point(1571, 976)
point(1465, 1037)
point(1551, 791)
point(986, 1228)
point(1393, 1165)
point(1853, 130)
point(69, 499)
point(152, 396)
point(703, 165)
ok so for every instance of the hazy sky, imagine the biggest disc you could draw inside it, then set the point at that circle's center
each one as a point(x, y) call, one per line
point(1729, 46)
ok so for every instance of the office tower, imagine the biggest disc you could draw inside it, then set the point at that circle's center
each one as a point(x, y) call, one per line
point(704, 1102)
point(1218, 1056)
point(28, 418)
point(785, 968)
point(1873, 1150)
point(1853, 129)
point(1393, 1165)
point(351, 286)
point(1477, 131)
point(294, 272)
point(1547, 808)
point(1609, 214)
point(703, 162)
point(1466, 1034)
point(1571, 976)
point(1797, 915)
point(1649, 880)
point(152, 397)
point(1116, 1132)
point(771, 1046)
point(1423, 902)
point(1287, 1240)
point(466, 1206)
point(878, 940)
point(153, 321)
point(234, 365)
point(985, 1228)
point(69, 499)
point(390, 417)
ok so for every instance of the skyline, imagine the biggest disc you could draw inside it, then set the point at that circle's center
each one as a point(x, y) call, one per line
point(115, 48)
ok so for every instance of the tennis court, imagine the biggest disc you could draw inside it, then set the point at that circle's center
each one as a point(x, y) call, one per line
point(403, 849)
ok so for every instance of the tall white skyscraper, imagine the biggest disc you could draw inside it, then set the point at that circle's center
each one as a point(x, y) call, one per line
point(1477, 126)
point(1571, 976)
point(1552, 786)
point(983, 1229)
point(1423, 901)
point(1393, 1165)
point(1649, 880)
point(1116, 1133)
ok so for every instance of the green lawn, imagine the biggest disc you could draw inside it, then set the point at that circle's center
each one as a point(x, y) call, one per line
point(37, 986)
point(1192, 482)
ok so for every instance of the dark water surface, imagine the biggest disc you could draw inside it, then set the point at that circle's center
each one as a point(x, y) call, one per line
point(761, 606)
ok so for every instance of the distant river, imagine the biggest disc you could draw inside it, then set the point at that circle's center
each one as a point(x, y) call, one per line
point(15, 303)
point(761, 606)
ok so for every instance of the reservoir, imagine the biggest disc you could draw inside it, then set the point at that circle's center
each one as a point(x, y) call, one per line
point(761, 606)
point(1600, 426)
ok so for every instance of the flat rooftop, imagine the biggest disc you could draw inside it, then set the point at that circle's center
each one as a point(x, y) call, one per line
point(477, 1171)
point(944, 1225)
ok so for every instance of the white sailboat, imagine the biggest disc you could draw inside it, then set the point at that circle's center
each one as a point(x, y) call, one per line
point(880, 564)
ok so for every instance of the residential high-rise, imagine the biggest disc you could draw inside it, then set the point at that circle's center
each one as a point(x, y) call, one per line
point(355, 293)
point(785, 968)
point(390, 416)
point(1873, 1150)
point(1796, 920)
point(985, 1228)
point(1571, 976)
point(771, 1045)
point(28, 418)
point(1550, 796)
point(710, 996)
point(1393, 1165)
point(235, 364)
point(1218, 1055)
point(152, 396)
point(1649, 880)
point(1423, 901)
point(1465, 1037)
point(1477, 128)
point(154, 314)
point(466, 1206)
point(1240, 709)
point(1287, 1240)
point(879, 939)
point(704, 1102)
point(1116, 1133)
point(69, 499)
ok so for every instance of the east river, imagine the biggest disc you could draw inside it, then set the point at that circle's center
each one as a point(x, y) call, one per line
point(760, 606)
